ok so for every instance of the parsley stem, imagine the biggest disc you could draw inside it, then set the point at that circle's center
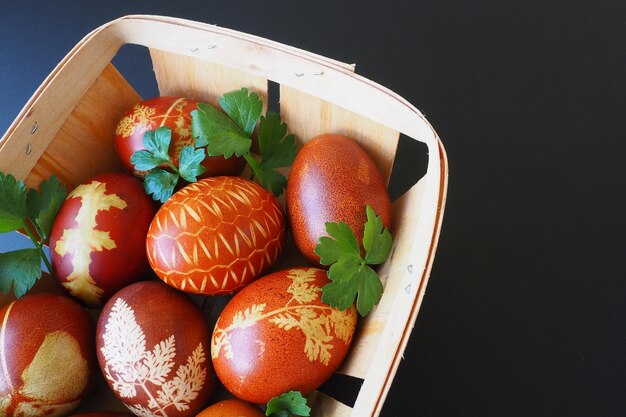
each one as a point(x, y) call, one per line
point(39, 247)
point(254, 165)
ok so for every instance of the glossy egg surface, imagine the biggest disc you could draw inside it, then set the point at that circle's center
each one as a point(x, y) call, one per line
point(333, 179)
point(153, 348)
point(216, 235)
point(46, 356)
point(232, 408)
point(97, 243)
point(276, 336)
point(172, 112)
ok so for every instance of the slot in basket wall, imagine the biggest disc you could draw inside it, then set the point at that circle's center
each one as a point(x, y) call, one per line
point(67, 127)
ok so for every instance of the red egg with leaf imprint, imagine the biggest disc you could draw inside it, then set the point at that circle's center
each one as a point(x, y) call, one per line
point(333, 179)
point(47, 356)
point(276, 335)
point(97, 243)
point(216, 235)
point(153, 348)
point(172, 112)
point(102, 414)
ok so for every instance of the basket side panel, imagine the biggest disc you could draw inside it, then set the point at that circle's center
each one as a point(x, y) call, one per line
point(324, 406)
point(308, 116)
point(184, 76)
point(86, 138)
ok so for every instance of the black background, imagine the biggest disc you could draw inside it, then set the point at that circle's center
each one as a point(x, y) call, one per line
point(525, 311)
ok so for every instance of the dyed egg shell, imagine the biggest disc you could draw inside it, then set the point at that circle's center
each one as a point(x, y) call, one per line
point(232, 408)
point(102, 414)
point(172, 112)
point(153, 348)
point(276, 336)
point(333, 179)
point(216, 235)
point(97, 243)
point(47, 356)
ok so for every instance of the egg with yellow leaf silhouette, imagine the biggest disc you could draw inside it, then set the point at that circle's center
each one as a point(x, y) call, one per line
point(153, 347)
point(276, 335)
point(97, 243)
point(46, 356)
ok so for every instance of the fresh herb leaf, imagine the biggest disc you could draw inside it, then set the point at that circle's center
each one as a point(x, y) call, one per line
point(43, 206)
point(20, 269)
point(157, 142)
point(160, 183)
point(12, 203)
point(144, 160)
point(189, 164)
point(243, 107)
point(350, 275)
point(278, 149)
point(218, 132)
point(289, 404)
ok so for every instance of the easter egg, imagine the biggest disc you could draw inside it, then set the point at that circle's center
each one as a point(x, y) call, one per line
point(153, 349)
point(101, 414)
point(333, 179)
point(276, 336)
point(216, 235)
point(97, 243)
point(46, 356)
point(232, 408)
point(172, 112)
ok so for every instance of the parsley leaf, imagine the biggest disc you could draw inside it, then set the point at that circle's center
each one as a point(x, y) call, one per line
point(350, 275)
point(189, 163)
point(12, 203)
point(227, 136)
point(144, 160)
point(243, 107)
point(160, 183)
point(289, 404)
point(157, 142)
point(43, 206)
point(218, 132)
point(21, 269)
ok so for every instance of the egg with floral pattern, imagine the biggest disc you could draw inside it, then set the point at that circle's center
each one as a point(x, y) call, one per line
point(153, 349)
point(276, 335)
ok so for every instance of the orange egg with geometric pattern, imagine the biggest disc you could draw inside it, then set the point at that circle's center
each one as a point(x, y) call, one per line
point(172, 112)
point(97, 243)
point(276, 335)
point(47, 356)
point(216, 235)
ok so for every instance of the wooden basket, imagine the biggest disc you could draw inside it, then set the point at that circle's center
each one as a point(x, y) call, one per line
point(67, 127)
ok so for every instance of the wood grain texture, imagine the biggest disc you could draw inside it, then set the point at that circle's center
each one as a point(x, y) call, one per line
point(324, 406)
point(184, 76)
point(87, 135)
point(308, 116)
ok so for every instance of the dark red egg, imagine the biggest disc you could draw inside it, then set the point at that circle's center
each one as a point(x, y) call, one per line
point(216, 235)
point(102, 414)
point(172, 112)
point(97, 244)
point(231, 408)
point(276, 336)
point(46, 356)
point(153, 348)
point(333, 179)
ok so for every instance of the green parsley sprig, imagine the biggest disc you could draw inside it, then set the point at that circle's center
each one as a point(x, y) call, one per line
point(158, 181)
point(350, 273)
point(20, 206)
point(230, 134)
point(289, 404)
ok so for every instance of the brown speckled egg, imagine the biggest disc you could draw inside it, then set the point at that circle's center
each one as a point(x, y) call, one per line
point(172, 112)
point(232, 408)
point(46, 356)
point(276, 336)
point(97, 243)
point(153, 348)
point(333, 179)
point(216, 235)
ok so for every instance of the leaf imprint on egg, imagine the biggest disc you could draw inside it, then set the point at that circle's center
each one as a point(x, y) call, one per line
point(316, 322)
point(130, 367)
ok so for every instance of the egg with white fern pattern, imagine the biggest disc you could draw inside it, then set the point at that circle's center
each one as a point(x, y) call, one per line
point(216, 235)
point(153, 348)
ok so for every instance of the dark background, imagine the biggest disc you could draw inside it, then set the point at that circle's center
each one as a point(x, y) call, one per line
point(525, 310)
